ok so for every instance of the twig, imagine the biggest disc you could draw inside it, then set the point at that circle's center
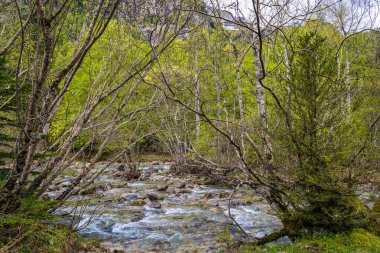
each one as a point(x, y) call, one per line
point(231, 217)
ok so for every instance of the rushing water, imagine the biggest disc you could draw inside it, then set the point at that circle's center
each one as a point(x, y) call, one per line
point(191, 219)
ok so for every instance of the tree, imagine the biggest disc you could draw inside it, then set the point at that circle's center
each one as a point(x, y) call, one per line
point(301, 166)
point(53, 65)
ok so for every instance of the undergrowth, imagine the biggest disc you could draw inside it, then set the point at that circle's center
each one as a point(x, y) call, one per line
point(33, 229)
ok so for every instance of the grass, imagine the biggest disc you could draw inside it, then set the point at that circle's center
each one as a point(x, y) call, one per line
point(32, 229)
point(358, 240)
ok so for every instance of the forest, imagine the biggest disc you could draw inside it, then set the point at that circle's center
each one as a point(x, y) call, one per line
point(189, 126)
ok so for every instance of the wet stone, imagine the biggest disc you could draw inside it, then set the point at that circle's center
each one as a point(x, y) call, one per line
point(208, 195)
point(151, 170)
point(137, 218)
point(224, 195)
point(129, 197)
point(121, 167)
point(155, 204)
point(161, 245)
point(153, 196)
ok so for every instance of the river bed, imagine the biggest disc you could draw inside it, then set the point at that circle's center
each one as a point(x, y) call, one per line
point(183, 217)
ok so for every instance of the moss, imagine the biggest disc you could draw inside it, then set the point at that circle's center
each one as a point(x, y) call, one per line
point(375, 222)
point(226, 236)
point(376, 206)
point(40, 237)
point(33, 229)
point(363, 237)
point(137, 202)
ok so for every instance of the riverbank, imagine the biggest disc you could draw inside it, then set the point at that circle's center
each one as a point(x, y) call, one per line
point(355, 241)
point(34, 230)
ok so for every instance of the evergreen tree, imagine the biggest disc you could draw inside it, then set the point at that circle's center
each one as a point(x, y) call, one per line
point(319, 123)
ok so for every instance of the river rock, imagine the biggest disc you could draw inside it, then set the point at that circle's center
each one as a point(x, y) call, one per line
point(119, 174)
point(154, 204)
point(121, 167)
point(161, 245)
point(223, 195)
point(119, 185)
point(137, 218)
point(53, 188)
point(211, 181)
point(96, 188)
point(182, 185)
point(45, 197)
point(184, 191)
point(104, 187)
point(137, 202)
point(128, 174)
point(163, 188)
point(153, 196)
point(89, 190)
point(146, 174)
point(129, 196)
point(234, 183)
point(116, 250)
point(208, 195)
point(151, 170)
point(66, 182)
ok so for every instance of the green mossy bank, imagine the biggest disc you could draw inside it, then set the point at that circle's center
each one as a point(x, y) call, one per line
point(358, 240)
point(33, 229)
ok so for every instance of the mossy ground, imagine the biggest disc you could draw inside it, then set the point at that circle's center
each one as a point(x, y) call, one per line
point(41, 238)
point(358, 240)
point(33, 229)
